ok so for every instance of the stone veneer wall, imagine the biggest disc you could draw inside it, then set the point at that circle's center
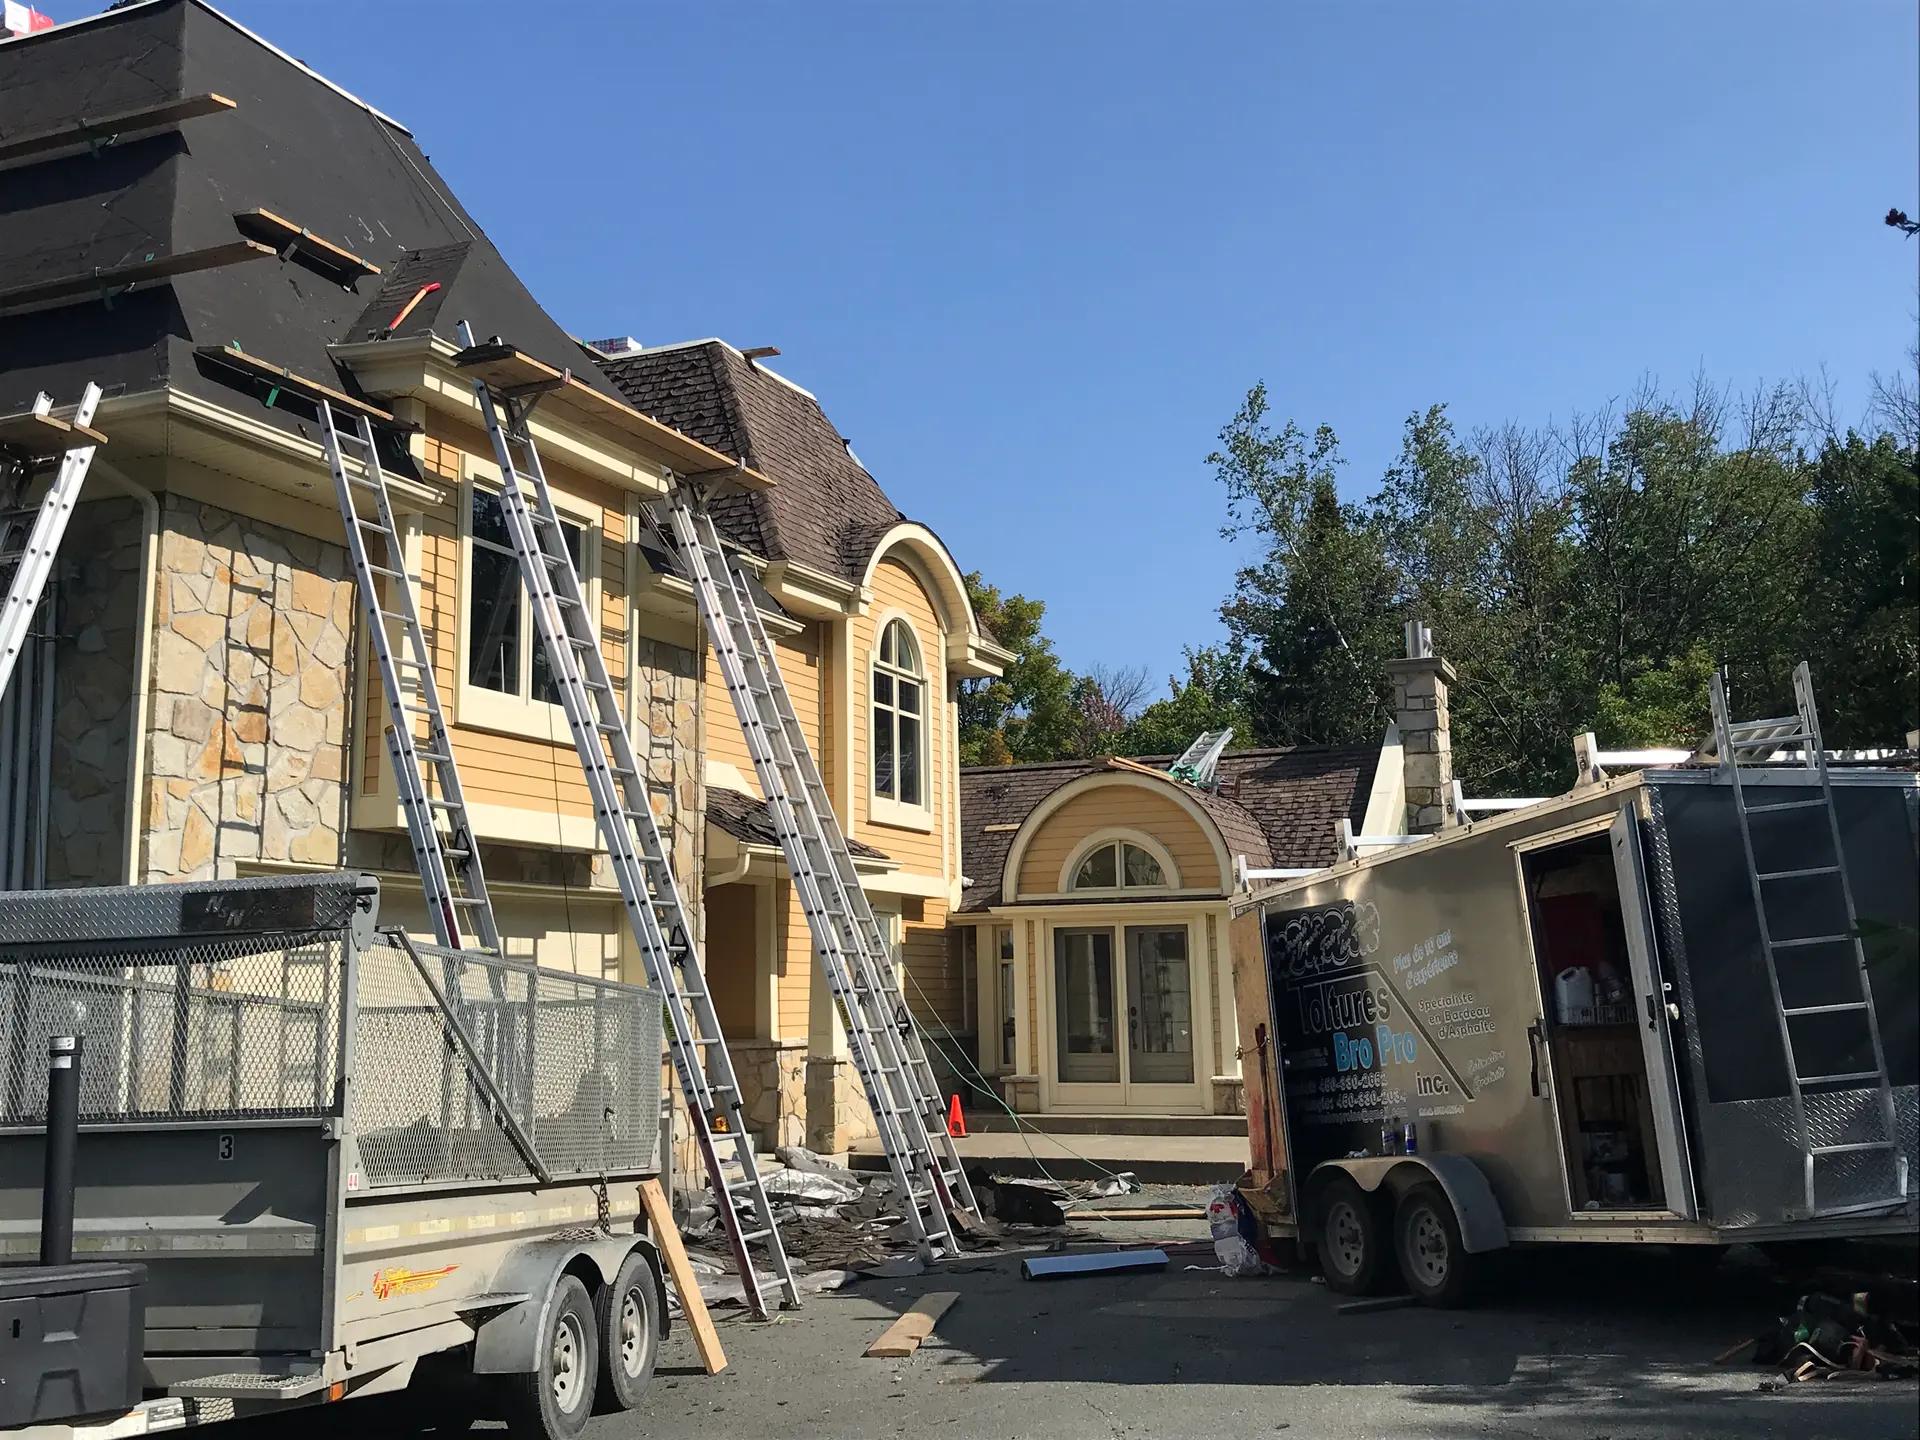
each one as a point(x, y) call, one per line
point(253, 627)
point(837, 1112)
point(97, 608)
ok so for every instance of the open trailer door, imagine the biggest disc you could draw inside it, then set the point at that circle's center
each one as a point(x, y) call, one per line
point(1654, 1011)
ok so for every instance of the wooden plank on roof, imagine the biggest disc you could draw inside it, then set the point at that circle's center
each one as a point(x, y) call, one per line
point(310, 390)
point(117, 278)
point(111, 128)
point(1120, 762)
point(284, 235)
point(32, 433)
point(507, 369)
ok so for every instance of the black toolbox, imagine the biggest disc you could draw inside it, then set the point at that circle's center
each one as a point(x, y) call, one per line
point(70, 1340)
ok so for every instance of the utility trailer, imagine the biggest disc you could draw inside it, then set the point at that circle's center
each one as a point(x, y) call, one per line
point(347, 1162)
point(1657, 1010)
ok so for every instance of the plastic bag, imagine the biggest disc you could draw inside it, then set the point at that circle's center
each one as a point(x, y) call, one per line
point(1237, 1256)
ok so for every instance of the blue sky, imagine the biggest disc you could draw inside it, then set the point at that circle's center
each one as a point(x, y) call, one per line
point(1031, 255)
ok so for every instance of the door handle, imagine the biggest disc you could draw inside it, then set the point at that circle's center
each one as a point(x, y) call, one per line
point(1534, 1037)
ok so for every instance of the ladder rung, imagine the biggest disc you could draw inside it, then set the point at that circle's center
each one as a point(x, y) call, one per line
point(1808, 940)
point(1796, 874)
point(750, 1235)
point(1785, 805)
point(464, 900)
point(1836, 1079)
point(1825, 1009)
point(1854, 1149)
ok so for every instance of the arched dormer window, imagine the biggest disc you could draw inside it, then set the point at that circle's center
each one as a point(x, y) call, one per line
point(899, 717)
point(1121, 863)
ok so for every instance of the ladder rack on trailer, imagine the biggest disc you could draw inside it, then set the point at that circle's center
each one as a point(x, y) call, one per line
point(624, 812)
point(887, 1047)
point(1756, 742)
point(456, 893)
point(30, 535)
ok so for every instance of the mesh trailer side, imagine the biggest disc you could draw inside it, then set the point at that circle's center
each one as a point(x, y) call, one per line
point(574, 1061)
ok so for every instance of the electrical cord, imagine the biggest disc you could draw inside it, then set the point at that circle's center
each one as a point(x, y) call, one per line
point(984, 1087)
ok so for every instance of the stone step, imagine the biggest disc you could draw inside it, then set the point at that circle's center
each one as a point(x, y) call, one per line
point(988, 1118)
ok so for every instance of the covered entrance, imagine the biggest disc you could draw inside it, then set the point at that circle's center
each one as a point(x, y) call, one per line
point(1120, 999)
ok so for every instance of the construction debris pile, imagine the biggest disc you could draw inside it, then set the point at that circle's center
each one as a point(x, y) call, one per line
point(842, 1225)
point(1826, 1337)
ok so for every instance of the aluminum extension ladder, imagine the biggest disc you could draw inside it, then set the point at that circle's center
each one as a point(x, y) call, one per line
point(624, 812)
point(30, 536)
point(1757, 741)
point(888, 1051)
point(456, 893)
point(1199, 761)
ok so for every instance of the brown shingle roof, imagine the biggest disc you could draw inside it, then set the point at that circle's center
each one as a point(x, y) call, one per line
point(1277, 806)
point(824, 510)
point(749, 820)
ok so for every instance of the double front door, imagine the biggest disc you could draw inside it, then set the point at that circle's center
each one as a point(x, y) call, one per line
point(1123, 1008)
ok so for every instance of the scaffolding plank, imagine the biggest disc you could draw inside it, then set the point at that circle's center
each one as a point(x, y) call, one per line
point(282, 234)
point(505, 368)
point(120, 125)
point(310, 390)
point(42, 436)
point(120, 277)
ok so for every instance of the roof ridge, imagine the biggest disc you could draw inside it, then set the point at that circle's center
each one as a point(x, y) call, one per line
point(1252, 751)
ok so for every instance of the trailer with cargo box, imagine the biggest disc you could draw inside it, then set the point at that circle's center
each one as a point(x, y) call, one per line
point(345, 1162)
point(1660, 1009)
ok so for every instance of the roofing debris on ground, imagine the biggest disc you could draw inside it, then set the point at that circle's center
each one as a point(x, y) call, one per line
point(842, 1226)
point(1826, 1337)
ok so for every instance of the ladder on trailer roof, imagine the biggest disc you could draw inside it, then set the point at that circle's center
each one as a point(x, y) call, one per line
point(623, 809)
point(1847, 1017)
point(888, 1051)
point(451, 876)
point(30, 535)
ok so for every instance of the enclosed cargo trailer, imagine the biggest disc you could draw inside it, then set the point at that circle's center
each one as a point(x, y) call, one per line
point(340, 1157)
point(1561, 1025)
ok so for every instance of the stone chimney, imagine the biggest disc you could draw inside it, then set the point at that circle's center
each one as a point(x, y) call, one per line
point(1420, 710)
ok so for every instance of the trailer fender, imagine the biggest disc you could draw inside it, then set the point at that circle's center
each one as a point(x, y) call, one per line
point(1483, 1225)
point(507, 1343)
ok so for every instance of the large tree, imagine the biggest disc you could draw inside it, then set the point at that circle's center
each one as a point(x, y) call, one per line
point(1028, 713)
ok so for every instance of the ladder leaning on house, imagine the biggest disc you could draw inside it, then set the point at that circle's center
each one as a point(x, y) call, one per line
point(1869, 1168)
point(623, 810)
point(458, 905)
point(888, 1051)
point(30, 535)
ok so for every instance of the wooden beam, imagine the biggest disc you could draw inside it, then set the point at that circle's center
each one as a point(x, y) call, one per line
point(505, 368)
point(310, 390)
point(122, 277)
point(111, 128)
point(903, 1337)
point(32, 433)
point(283, 234)
point(666, 1236)
point(1120, 762)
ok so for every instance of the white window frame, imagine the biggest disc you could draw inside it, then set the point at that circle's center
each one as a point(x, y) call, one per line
point(1169, 872)
point(887, 809)
point(518, 714)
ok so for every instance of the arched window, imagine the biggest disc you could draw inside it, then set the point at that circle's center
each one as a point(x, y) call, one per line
point(1119, 865)
point(899, 717)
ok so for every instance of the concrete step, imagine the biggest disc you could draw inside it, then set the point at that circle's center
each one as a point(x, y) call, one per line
point(1155, 1159)
point(988, 1119)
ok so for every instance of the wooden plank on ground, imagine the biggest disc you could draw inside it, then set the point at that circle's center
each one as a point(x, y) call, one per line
point(667, 1236)
point(903, 1337)
point(1144, 1212)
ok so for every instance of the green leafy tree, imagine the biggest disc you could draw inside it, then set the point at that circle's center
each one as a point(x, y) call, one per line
point(1212, 695)
point(1027, 713)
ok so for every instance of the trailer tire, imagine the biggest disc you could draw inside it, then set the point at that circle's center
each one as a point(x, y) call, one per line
point(1352, 1239)
point(1426, 1242)
point(554, 1400)
point(629, 1316)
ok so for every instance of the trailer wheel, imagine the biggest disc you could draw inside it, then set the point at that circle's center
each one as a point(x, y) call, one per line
point(554, 1400)
point(629, 1316)
point(1352, 1239)
point(1426, 1241)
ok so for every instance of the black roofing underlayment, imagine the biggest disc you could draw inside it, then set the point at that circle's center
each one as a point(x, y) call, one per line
point(293, 145)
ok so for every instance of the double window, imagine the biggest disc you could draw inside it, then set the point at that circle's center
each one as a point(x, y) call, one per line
point(503, 652)
point(899, 718)
point(1119, 865)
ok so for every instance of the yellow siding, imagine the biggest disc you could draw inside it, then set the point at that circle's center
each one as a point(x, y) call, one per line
point(537, 771)
point(936, 989)
point(1125, 806)
point(898, 590)
point(794, 960)
point(732, 934)
point(800, 666)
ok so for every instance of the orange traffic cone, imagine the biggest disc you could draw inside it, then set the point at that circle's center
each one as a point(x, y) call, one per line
point(956, 1119)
